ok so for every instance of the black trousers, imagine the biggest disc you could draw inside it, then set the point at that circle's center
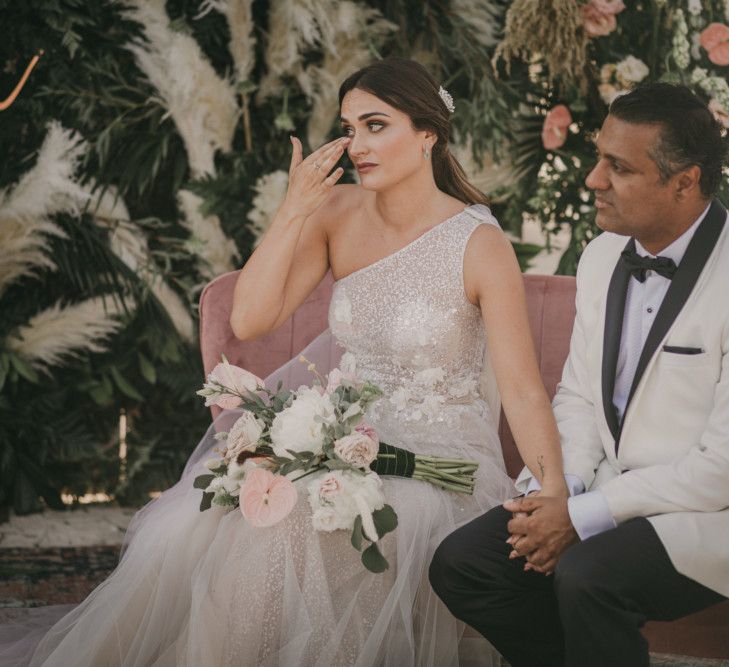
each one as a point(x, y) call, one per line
point(588, 613)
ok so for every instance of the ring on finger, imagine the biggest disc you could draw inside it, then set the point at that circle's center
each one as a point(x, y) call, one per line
point(317, 166)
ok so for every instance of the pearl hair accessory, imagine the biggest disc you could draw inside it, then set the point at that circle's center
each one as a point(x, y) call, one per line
point(447, 99)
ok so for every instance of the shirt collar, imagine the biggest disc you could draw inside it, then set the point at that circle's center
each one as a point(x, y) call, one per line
point(676, 250)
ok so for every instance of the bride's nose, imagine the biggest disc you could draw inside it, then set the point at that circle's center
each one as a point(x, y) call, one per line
point(357, 146)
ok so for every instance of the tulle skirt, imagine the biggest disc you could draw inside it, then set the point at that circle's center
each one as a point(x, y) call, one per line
point(205, 588)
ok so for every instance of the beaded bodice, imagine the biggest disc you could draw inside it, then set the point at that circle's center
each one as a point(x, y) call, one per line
point(408, 325)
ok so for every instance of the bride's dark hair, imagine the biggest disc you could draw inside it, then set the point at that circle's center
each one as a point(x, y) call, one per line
point(410, 88)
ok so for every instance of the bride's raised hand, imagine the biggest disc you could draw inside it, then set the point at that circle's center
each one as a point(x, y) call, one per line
point(309, 179)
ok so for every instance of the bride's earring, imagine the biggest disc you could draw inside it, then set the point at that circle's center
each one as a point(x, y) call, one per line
point(426, 153)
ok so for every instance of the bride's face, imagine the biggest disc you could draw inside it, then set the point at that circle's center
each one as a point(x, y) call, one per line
point(385, 148)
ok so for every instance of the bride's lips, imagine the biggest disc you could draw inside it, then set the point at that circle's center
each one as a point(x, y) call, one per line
point(364, 167)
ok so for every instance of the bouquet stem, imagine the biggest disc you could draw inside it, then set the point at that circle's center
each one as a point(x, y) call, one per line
point(449, 474)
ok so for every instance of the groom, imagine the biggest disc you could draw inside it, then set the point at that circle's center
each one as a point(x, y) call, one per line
point(642, 410)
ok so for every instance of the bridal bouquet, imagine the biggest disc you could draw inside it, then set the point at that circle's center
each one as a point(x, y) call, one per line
point(283, 436)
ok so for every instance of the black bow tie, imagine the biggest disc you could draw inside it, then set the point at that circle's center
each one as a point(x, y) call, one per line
point(638, 265)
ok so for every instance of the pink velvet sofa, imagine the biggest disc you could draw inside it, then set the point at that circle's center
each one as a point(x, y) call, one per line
point(550, 301)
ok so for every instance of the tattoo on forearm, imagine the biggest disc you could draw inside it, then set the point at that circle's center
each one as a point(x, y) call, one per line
point(540, 461)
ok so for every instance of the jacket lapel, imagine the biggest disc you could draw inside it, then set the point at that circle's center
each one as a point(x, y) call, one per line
point(614, 311)
point(688, 272)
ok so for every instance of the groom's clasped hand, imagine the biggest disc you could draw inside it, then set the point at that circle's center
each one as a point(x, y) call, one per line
point(540, 530)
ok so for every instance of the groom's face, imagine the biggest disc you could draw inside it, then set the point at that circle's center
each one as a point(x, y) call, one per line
point(630, 197)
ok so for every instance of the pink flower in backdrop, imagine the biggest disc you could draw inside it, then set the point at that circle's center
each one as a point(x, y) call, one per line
point(554, 130)
point(715, 39)
point(265, 498)
point(598, 16)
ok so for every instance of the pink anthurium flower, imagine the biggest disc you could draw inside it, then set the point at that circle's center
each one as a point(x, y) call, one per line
point(715, 39)
point(554, 130)
point(265, 498)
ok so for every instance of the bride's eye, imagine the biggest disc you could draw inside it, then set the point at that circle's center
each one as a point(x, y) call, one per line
point(346, 131)
point(375, 126)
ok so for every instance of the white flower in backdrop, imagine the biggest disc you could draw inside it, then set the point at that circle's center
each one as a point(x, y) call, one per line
point(631, 70)
point(300, 427)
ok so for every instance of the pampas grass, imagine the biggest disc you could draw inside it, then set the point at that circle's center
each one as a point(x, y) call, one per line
point(202, 105)
point(355, 29)
point(294, 27)
point(25, 211)
point(482, 19)
point(128, 242)
point(242, 40)
point(217, 252)
point(61, 333)
point(270, 192)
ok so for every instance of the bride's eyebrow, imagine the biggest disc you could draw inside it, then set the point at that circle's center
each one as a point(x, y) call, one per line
point(342, 119)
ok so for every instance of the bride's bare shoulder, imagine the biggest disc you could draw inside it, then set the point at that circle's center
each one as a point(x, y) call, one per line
point(339, 206)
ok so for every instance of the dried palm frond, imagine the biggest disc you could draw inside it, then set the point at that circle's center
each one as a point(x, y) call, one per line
point(60, 333)
point(46, 189)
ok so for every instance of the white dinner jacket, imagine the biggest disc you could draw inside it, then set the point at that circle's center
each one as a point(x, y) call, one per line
point(669, 459)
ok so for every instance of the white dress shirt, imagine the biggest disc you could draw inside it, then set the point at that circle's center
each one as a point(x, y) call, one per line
point(589, 512)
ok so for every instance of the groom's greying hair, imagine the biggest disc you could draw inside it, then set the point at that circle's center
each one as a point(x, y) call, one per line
point(690, 134)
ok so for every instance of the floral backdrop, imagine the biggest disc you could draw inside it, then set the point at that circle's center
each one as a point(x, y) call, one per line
point(149, 149)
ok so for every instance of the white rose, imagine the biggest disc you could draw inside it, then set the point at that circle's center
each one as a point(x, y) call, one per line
point(326, 519)
point(213, 464)
point(694, 7)
point(244, 435)
point(357, 449)
point(297, 428)
point(631, 70)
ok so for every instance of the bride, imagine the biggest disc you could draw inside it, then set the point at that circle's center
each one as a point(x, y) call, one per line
point(422, 274)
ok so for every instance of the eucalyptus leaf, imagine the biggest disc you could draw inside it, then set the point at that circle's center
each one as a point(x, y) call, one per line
point(373, 560)
point(203, 481)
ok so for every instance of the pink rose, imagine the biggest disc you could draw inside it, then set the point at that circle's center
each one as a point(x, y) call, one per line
point(329, 488)
point(357, 449)
point(715, 39)
point(554, 130)
point(225, 382)
point(265, 498)
point(598, 16)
